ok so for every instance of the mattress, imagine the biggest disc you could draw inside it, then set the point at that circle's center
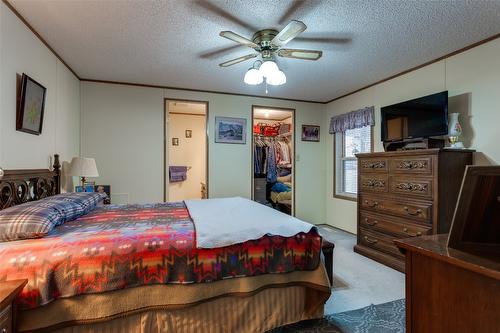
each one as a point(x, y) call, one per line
point(118, 247)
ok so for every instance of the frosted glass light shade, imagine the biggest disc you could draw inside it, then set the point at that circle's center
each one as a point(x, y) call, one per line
point(253, 76)
point(83, 167)
point(276, 79)
point(268, 68)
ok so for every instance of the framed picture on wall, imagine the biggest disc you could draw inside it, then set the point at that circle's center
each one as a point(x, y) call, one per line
point(29, 116)
point(310, 133)
point(175, 141)
point(230, 130)
point(189, 133)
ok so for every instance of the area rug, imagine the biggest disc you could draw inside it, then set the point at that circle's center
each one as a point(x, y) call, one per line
point(382, 318)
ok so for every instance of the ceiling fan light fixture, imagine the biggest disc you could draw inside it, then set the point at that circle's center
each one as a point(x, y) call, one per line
point(253, 77)
point(268, 68)
point(276, 79)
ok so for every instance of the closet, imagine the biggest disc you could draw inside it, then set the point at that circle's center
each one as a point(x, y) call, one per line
point(273, 158)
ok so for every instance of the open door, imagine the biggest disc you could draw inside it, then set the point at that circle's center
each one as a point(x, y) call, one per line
point(273, 162)
point(186, 152)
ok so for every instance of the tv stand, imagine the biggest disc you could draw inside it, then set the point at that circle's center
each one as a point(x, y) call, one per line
point(412, 144)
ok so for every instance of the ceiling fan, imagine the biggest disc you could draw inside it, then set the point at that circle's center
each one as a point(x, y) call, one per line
point(270, 42)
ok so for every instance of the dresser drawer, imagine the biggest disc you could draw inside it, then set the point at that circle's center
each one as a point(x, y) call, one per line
point(393, 226)
point(6, 320)
point(378, 241)
point(409, 185)
point(373, 183)
point(421, 165)
point(373, 165)
point(421, 212)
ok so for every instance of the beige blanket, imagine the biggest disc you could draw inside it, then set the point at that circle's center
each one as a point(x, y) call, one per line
point(92, 308)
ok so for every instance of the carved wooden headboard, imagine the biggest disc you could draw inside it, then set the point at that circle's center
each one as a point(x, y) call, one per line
point(19, 186)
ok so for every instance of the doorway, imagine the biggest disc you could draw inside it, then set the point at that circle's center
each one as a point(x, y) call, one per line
point(273, 161)
point(186, 150)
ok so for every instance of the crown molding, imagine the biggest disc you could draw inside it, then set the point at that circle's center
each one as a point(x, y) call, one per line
point(199, 90)
point(471, 46)
point(484, 41)
point(26, 23)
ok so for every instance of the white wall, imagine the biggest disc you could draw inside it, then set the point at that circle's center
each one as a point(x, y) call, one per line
point(120, 123)
point(122, 128)
point(472, 79)
point(22, 52)
point(190, 152)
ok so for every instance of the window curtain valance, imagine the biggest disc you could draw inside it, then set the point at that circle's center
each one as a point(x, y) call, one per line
point(353, 119)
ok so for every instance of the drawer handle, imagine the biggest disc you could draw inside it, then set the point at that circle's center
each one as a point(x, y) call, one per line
point(415, 213)
point(405, 230)
point(371, 241)
point(374, 204)
point(370, 223)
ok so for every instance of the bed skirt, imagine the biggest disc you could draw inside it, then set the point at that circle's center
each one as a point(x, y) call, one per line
point(244, 305)
point(259, 313)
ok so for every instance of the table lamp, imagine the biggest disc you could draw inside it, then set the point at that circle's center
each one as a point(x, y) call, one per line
point(83, 167)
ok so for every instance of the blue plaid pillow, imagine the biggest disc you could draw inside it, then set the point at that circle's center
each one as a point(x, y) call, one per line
point(74, 205)
point(37, 218)
point(28, 220)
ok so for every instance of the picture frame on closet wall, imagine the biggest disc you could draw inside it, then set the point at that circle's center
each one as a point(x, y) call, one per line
point(310, 133)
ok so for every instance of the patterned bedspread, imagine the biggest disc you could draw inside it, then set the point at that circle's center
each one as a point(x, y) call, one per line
point(116, 247)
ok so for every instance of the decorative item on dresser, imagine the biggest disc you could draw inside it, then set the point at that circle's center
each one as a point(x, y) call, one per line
point(8, 292)
point(405, 194)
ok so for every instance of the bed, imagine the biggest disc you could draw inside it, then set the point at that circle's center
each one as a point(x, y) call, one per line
point(140, 268)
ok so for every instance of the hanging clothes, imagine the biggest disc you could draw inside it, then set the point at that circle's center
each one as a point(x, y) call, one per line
point(271, 164)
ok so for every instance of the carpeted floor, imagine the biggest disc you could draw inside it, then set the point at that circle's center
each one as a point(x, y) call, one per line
point(383, 318)
point(358, 281)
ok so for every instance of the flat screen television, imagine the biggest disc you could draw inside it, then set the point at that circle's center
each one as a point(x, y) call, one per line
point(418, 118)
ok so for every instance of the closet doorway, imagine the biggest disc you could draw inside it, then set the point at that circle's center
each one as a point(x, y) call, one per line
point(186, 150)
point(273, 162)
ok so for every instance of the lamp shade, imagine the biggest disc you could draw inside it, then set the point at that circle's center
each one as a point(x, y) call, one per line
point(268, 68)
point(253, 76)
point(83, 167)
point(276, 79)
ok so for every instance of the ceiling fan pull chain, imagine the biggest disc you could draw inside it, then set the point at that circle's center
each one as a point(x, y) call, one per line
point(266, 87)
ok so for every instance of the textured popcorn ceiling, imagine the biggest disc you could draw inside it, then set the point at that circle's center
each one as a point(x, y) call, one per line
point(161, 42)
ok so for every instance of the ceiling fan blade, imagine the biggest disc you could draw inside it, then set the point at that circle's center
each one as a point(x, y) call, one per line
point(292, 30)
point(218, 51)
point(238, 60)
point(300, 54)
point(324, 40)
point(218, 11)
point(238, 39)
point(298, 8)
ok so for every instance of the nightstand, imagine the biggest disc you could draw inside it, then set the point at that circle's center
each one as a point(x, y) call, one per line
point(8, 292)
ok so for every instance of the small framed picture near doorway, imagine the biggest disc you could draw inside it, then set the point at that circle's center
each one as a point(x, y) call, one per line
point(29, 117)
point(230, 130)
point(310, 133)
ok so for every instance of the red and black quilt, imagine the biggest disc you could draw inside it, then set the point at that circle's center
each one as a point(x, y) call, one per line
point(122, 246)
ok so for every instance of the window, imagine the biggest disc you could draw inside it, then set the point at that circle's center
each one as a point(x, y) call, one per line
point(347, 145)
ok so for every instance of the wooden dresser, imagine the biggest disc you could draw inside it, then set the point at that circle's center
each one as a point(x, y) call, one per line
point(449, 290)
point(405, 194)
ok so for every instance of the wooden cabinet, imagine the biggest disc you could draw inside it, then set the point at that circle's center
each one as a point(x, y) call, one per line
point(405, 194)
point(8, 292)
point(448, 290)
